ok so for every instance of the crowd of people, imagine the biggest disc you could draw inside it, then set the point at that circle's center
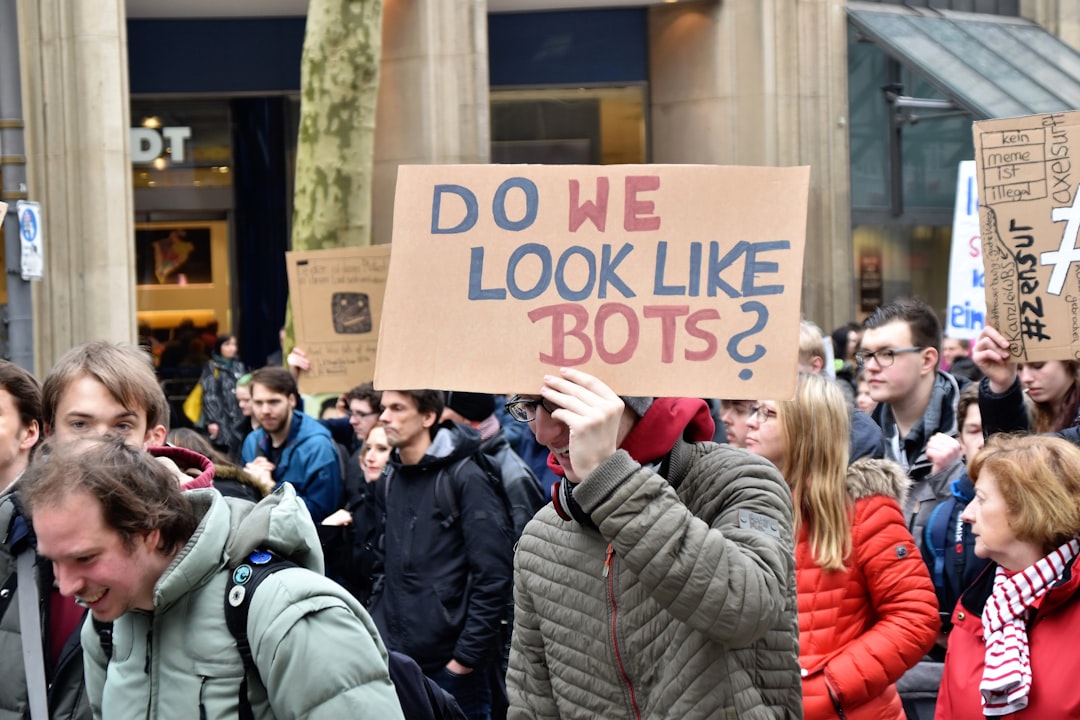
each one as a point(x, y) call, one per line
point(895, 541)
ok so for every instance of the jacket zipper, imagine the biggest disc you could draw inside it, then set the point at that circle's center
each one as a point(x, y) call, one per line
point(148, 669)
point(609, 573)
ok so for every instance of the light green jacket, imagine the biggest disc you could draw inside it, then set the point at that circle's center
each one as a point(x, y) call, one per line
point(316, 649)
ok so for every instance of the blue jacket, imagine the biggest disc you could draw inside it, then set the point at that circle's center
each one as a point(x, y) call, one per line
point(309, 462)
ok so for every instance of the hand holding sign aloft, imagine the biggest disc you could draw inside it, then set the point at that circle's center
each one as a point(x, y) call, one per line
point(992, 355)
point(591, 411)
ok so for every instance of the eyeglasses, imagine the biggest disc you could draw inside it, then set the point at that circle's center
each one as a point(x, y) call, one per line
point(884, 358)
point(762, 413)
point(524, 409)
point(361, 415)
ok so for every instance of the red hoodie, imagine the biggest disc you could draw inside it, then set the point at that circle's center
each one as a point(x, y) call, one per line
point(653, 436)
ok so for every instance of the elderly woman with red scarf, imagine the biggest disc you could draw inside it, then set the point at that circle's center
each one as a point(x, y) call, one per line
point(1012, 651)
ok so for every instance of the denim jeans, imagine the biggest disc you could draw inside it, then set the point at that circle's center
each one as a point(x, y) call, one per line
point(471, 691)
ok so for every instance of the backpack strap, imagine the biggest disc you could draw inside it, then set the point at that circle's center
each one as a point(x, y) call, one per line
point(104, 631)
point(447, 492)
point(243, 581)
point(936, 538)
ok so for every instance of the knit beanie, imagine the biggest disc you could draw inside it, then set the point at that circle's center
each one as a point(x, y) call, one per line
point(471, 406)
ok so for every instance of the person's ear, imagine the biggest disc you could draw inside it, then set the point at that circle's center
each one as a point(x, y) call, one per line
point(155, 436)
point(930, 360)
point(30, 436)
point(430, 418)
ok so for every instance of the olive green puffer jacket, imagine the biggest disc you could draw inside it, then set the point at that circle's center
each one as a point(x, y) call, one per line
point(681, 606)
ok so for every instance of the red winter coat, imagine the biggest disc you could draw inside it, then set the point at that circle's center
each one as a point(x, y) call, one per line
point(860, 629)
point(1053, 633)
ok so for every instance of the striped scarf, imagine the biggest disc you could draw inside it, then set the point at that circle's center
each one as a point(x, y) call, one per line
point(1006, 679)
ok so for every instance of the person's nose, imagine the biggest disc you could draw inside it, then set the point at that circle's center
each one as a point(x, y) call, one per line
point(968, 515)
point(67, 581)
point(546, 428)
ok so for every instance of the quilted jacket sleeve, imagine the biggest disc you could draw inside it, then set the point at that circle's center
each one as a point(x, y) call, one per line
point(718, 553)
point(530, 687)
point(904, 603)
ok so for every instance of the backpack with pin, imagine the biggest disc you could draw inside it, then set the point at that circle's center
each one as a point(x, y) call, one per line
point(420, 697)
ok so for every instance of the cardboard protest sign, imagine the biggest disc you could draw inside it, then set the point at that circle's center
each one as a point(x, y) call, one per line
point(967, 286)
point(1029, 210)
point(337, 300)
point(661, 280)
point(3, 210)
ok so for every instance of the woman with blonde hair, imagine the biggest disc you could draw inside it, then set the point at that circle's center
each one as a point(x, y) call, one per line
point(867, 610)
point(1012, 650)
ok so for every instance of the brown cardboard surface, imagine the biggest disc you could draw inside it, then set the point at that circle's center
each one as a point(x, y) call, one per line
point(1029, 215)
point(685, 282)
point(337, 300)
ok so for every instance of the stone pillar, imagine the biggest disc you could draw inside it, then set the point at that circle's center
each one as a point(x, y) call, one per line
point(433, 95)
point(1060, 17)
point(76, 105)
point(764, 82)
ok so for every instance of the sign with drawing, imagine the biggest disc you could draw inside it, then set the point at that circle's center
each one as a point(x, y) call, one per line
point(660, 279)
point(337, 299)
point(1029, 212)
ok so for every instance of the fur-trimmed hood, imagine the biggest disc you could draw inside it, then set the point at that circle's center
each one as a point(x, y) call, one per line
point(867, 477)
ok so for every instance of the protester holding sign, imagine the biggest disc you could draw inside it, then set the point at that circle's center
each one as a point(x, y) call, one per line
point(1053, 385)
point(671, 556)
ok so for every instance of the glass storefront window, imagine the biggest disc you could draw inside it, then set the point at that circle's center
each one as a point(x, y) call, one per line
point(182, 173)
point(181, 143)
point(894, 261)
point(932, 148)
point(569, 126)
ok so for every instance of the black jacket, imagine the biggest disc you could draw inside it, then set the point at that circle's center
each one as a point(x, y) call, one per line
point(67, 691)
point(1006, 413)
point(446, 588)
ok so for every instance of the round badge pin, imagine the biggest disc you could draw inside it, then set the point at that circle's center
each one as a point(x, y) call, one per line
point(241, 574)
point(236, 595)
point(260, 557)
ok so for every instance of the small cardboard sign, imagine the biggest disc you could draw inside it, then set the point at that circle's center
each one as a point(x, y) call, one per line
point(337, 302)
point(3, 210)
point(1029, 212)
point(662, 280)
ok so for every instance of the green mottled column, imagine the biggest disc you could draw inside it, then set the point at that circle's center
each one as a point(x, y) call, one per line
point(339, 85)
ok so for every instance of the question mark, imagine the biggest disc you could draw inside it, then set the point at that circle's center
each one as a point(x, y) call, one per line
point(752, 306)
